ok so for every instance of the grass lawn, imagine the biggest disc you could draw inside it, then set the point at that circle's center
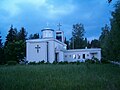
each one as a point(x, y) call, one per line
point(60, 77)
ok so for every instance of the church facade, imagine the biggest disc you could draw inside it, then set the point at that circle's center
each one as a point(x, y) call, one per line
point(51, 47)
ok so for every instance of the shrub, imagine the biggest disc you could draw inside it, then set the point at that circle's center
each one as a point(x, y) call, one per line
point(55, 62)
point(32, 63)
point(78, 62)
point(89, 61)
point(11, 63)
point(105, 61)
point(72, 62)
point(65, 62)
point(62, 62)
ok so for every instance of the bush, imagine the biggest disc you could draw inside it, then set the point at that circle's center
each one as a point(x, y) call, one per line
point(11, 63)
point(55, 62)
point(32, 63)
point(78, 62)
point(89, 61)
point(105, 61)
point(61, 62)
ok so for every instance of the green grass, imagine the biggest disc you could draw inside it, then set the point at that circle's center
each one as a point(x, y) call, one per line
point(60, 77)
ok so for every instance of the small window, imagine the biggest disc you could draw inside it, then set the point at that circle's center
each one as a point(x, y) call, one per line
point(78, 56)
point(83, 56)
point(74, 56)
point(65, 55)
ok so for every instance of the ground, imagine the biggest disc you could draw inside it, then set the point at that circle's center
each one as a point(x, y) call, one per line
point(60, 77)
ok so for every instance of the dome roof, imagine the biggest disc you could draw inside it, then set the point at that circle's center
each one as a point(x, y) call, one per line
point(47, 29)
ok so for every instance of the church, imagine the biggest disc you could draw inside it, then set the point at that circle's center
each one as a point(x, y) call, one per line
point(51, 47)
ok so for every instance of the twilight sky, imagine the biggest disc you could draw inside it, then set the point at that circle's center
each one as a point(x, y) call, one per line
point(35, 14)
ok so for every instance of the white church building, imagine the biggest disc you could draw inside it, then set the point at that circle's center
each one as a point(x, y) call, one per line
point(51, 47)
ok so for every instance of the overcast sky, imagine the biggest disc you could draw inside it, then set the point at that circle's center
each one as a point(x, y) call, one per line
point(35, 14)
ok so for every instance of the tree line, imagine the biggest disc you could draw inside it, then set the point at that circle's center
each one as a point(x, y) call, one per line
point(14, 48)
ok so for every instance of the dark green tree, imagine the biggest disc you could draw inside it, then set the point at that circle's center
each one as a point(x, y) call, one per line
point(77, 40)
point(114, 38)
point(2, 61)
point(104, 39)
point(15, 47)
point(34, 36)
point(67, 43)
point(12, 35)
point(22, 34)
point(95, 43)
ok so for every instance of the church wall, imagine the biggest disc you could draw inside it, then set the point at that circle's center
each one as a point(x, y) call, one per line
point(79, 55)
point(51, 51)
point(33, 55)
point(60, 48)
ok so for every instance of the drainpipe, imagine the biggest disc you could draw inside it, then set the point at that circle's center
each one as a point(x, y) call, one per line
point(47, 53)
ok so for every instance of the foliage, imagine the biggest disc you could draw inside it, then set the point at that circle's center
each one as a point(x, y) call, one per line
point(32, 63)
point(95, 43)
point(2, 61)
point(67, 43)
point(60, 77)
point(15, 46)
point(22, 34)
point(110, 38)
point(12, 35)
point(11, 63)
point(77, 40)
point(34, 36)
point(114, 42)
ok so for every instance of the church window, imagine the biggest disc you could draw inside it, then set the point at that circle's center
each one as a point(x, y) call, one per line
point(78, 56)
point(83, 56)
point(74, 56)
point(65, 55)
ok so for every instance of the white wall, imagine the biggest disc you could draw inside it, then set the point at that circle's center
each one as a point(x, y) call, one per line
point(32, 54)
point(69, 54)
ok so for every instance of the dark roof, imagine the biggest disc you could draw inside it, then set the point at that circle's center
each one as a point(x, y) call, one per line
point(47, 29)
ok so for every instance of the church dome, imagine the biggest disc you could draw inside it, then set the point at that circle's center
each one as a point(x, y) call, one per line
point(47, 33)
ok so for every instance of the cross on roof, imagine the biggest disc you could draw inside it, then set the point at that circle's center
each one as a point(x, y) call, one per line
point(47, 24)
point(37, 48)
point(59, 25)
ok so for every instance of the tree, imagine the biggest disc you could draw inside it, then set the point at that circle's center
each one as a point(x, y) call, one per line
point(34, 36)
point(109, 1)
point(15, 45)
point(114, 38)
point(67, 43)
point(12, 35)
point(104, 41)
point(77, 40)
point(95, 43)
point(22, 34)
point(1, 52)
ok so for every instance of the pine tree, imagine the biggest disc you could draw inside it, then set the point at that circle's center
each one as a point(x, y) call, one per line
point(77, 40)
point(34, 36)
point(104, 41)
point(2, 61)
point(22, 34)
point(115, 33)
point(12, 35)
